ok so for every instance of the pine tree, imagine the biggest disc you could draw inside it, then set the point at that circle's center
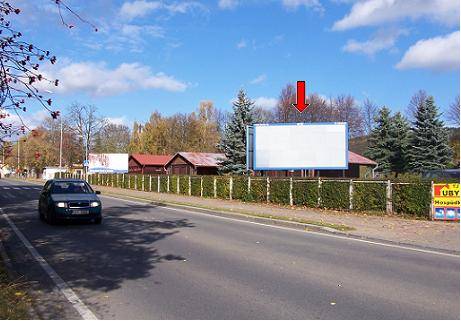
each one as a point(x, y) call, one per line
point(429, 142)
point(399, 143)
point(380, 141)
point(233, 143)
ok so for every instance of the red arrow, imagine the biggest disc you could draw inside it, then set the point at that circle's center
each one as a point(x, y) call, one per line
point(301, 96)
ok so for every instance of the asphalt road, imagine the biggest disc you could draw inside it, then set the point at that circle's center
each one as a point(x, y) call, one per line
point(153, 262)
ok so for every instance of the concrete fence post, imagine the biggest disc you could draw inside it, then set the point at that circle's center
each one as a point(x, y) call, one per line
point(168, 184)
point(112, 180)
point(158, 184)
point(249, 185)
point(319, 195)
point(215, 188)
point(136, 181)
point(129, 182)
point(190, 186)
point(150, 183)
point(177, 184)
point(389, 197)
point(231, 186)
point(351, 193)
point(117, 180)
point(291, 191)
point(201, 186)
point(143, 182)
point(268, 189)
point(123, 180)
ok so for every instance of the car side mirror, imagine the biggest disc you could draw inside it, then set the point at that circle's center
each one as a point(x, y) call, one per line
point(97, 192)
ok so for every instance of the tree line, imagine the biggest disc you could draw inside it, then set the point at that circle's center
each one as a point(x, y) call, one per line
point(398, 143)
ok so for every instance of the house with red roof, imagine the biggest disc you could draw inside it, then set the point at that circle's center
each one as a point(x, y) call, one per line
point(189, 163)
point(359, 167)
point(147, 164)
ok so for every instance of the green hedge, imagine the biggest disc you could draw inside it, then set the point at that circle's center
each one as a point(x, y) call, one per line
point(239, 188)
point(414, 199)
point(195, 185)
point(174, 184)
point(335, 195)
point(280, 191)
point(131, 181)
point(208, 186)
point(306, 193)
point(222, 187)
point(163, 184)
point(154, 186)
point(184, 185)
point(369, 196)
point(258, 190)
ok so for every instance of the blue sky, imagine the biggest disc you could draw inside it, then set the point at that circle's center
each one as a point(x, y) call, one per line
point(170, 55)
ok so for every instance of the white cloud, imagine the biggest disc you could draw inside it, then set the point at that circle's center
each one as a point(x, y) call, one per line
point(266, 102)
point(98, 80)
point(294, 4)
point(382, 40)
point(439, 53)
point(138, 8)
point(142, 8)
point(258, 80)
point(30, 120)
point(117, 120)
point(378, 12)
point(241, 44)
point(228, 4)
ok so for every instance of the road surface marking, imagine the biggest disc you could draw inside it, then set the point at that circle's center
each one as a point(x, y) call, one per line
point(6, 188)
point(288, 228)
point(70, 295)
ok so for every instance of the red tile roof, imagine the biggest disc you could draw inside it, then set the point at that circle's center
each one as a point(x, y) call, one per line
point(359, 159)
point(202, 159)
point(153, 160)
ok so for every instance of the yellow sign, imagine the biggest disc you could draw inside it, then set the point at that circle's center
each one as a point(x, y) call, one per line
point(446, 203)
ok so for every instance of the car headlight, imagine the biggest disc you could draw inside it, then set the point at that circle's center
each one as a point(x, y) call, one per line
point(61, 204)
point(95, 204)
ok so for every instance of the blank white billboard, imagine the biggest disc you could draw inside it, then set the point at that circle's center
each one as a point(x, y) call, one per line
point(108, 163)
point(300, 146)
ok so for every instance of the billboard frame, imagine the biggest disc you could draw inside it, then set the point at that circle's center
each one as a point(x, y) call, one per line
point(254, 156)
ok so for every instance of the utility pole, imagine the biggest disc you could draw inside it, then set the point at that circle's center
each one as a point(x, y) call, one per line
point(60, 148)
point(19, 147)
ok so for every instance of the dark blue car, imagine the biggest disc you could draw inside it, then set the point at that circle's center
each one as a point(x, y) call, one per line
point(69, 200)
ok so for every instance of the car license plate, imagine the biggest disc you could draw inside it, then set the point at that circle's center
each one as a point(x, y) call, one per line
point(80, 212)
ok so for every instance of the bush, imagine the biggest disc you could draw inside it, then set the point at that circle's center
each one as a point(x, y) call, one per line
point(131, 181)
point(208, 186)
point(174, 184)
point(369, 196)
point(239, 187)
point(280, 191)
point(184, 185)
point(195, 185)
point(258, 190)
point(154, 186)
point(222, 187)
point(413, 199)
point(163, 184)
point(335, 194)
point(306, 193)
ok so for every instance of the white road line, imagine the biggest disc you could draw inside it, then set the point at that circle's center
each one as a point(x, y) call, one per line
point(16, 188)
point(291, 229)
point(5, 187)
point(70, 295)
point(25, 187)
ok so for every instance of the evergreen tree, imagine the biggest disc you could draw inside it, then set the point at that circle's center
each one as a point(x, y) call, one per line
point(399, 143)
point(233, 142)
point(429, 142)
point(379, 147)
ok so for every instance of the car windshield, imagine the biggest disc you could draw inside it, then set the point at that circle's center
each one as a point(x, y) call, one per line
point(71, 188)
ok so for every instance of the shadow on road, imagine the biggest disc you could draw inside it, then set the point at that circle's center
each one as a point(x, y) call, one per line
point(98, 257)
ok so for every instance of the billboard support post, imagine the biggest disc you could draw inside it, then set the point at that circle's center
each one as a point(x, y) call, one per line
point(268, 189)
point(351, 192)
point(291, 191)
point(319, 190)
point(431, 217)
